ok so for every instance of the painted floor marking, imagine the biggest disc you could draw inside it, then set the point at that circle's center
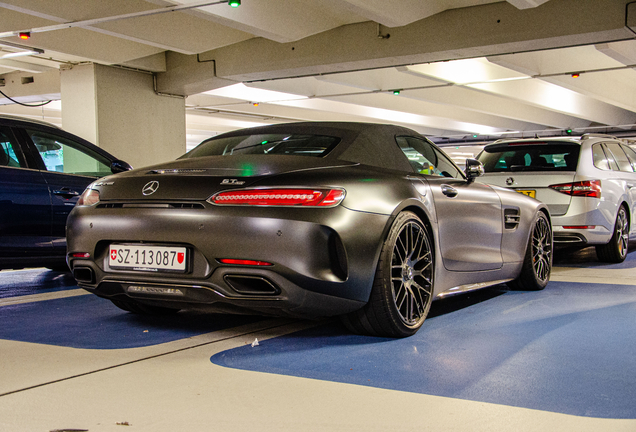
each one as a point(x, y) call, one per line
point(568, 349)
point(9, 301)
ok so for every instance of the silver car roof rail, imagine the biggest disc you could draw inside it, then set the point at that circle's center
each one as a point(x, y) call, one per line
point(597, 135)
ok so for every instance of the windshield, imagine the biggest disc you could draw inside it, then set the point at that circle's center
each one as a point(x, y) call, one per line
point(265, 144)
point(511, 157)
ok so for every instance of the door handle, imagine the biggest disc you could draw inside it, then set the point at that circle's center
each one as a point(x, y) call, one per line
point(66, 192)
point(449, 191)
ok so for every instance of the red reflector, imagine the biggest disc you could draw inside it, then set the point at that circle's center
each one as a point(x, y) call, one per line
point(580, 227)
point(244, 262)
point(88, 197)
point(588, 188)
point(280, 197)
point(80, 255)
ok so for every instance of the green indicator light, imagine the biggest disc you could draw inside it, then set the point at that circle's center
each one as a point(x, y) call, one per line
point(396, 92)
point(568, 131)
point(235, 3)
point(247, 170)
point(264, 142)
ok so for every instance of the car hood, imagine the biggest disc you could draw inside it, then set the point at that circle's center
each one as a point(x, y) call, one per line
point(199, 178)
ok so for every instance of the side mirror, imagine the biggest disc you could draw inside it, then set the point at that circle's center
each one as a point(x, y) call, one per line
point(474, 169)
point(118, 166)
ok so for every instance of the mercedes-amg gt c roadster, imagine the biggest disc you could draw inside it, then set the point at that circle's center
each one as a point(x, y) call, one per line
point(368, 222)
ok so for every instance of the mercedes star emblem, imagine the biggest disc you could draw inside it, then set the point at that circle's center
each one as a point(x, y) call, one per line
point(510, 181)
point(150, 188)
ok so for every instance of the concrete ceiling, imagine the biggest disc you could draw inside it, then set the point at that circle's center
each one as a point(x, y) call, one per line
point(455, 69)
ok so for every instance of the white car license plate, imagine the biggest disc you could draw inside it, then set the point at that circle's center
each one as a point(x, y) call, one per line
point(148, 258)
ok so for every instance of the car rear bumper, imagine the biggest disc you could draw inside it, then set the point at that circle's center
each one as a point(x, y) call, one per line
point(323, 264)
point(590, 227)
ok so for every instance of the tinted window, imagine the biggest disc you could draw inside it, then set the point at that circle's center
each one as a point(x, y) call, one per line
point(600, 158)
point(426, 159)
point(266, 144)
point(10, 154)
point(631, 155)
point(619, 157)
point(62, 155)
point(512, 157)
point(610, 159)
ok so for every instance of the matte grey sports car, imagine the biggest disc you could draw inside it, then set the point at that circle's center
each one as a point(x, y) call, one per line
point(366, 221)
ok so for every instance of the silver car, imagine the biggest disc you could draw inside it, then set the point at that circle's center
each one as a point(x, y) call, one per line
point(588, 183)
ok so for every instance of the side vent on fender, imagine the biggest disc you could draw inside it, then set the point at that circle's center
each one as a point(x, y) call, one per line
point(511, 218)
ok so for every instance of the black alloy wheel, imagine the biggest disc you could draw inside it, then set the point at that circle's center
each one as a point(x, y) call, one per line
point(537, 263)
point(403, 288)
point(615, 251)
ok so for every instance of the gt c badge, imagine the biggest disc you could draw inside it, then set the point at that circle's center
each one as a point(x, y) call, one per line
point(232, 182)
point(150, 188)
point(510, 181)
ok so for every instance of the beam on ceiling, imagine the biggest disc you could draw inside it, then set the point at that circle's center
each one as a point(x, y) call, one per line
point(489, 29)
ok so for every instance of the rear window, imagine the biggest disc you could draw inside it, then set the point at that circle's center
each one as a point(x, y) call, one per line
point(265, 144)
point(511, 157)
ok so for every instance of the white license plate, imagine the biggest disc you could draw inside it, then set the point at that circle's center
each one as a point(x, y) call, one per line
point(148, 258)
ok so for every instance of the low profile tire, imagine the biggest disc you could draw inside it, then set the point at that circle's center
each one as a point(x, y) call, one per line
point(537, 262)
point(403, 287)
point(615, 250)
point(142, 309)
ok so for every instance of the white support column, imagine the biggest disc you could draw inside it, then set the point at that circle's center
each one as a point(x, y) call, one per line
point(118, 110)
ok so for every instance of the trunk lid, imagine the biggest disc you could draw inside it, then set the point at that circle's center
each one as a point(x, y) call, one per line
point(197, 179)
point(537, 183)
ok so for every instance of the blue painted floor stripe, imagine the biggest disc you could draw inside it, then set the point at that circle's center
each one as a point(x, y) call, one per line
point(34, 281)
point(92, 322)
point(568, 349)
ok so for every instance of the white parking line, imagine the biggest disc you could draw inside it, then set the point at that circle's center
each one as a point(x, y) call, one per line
point(42, 297)
point(614, 276)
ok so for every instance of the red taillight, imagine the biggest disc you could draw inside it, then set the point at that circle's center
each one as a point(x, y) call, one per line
point(280, 197)
point(580, 227)
point(80, 255)
point(89, 197)
point(588, 188)
point(244, 262)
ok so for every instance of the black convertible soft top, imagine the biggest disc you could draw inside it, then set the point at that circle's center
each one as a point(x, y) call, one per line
point(365, 143)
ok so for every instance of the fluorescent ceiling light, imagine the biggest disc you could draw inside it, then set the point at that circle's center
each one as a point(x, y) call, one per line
point(386, 115)
point(470, 71)
point(19, 54)
point(19, 50)
point(252, 94)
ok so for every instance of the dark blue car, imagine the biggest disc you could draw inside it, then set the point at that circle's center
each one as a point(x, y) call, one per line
point(43, 171)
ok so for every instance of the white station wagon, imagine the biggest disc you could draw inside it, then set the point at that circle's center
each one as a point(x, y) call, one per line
point(588, 184)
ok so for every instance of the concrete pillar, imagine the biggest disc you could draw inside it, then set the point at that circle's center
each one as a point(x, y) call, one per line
point(118, 110)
